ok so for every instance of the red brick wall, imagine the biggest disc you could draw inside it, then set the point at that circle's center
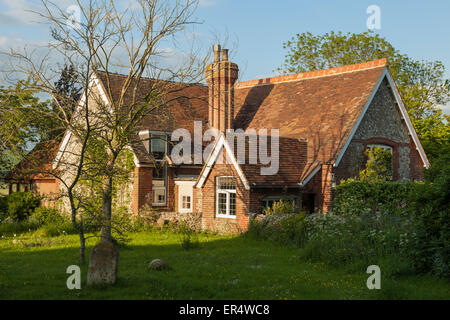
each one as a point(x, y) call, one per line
point(416, 164)
point(142, 188)
point(322, 186)
point(170, 190)
point(209, 219)
point(198, 200)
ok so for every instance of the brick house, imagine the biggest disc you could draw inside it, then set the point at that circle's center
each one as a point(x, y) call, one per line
point(325, 120)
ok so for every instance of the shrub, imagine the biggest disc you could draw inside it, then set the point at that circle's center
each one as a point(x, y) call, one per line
point(56, 229)
point(288, 229)
point(3, 209)
point(188, 236)
point(362, 197)
point(345, 240)
point(424, 207)
point(45, 216)
point(359, 240)
point(430, 250)
point(12, 227)
point(279, 207)
point(148, 215)
point(21, 205)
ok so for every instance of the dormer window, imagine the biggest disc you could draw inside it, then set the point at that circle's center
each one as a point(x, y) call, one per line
point(158, 145)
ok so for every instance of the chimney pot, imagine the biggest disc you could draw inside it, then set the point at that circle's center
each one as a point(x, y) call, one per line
point(216, 50)
point(224, 54)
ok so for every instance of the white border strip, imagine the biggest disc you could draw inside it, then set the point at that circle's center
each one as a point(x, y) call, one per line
point(312, 174)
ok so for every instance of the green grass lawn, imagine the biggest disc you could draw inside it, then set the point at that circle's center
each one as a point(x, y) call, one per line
point(222, 267)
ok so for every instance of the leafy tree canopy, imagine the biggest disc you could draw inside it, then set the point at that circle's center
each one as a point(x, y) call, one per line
point(19, 126)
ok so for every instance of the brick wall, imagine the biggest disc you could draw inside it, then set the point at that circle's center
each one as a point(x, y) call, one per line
point(322, 186)
point(142, 188)
point(224, 225)
point(48, 189)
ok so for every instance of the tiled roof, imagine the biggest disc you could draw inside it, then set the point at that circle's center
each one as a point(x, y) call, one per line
point(291, 164)
point(180, 106)
point(36, 162)
point(321, 106)
point(314, 112)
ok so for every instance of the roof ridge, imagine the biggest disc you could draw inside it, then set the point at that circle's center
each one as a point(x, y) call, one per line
point(314, 74)
point(199, 84)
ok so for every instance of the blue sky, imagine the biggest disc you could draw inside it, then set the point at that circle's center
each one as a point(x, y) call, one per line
point(420, 29)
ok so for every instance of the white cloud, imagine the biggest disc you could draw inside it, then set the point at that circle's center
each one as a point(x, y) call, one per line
point(3, 41)
point(446, 108)
point(17, 12)
point(207, 3)
point(23, 12)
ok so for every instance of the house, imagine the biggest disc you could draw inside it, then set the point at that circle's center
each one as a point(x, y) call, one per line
point(29, 174)
point(317, 126)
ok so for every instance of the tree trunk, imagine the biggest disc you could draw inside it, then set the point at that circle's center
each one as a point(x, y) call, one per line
point(82, 246)
point(106, 211)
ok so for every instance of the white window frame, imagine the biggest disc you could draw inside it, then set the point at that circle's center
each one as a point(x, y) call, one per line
point(188, 202)
point(227, 192)
point(160, 204)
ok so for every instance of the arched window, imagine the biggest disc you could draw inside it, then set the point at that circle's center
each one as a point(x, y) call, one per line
point(379, 163)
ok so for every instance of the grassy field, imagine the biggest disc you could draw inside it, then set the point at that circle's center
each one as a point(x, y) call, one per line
point(222, 267)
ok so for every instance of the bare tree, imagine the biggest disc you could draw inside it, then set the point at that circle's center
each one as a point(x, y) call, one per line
point(109, 38)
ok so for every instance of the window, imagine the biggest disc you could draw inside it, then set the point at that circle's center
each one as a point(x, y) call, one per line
point(159, 184)
point(268, 202)
point(226, 197)
point(186, 202)
point(158, 145)
point(185, 195)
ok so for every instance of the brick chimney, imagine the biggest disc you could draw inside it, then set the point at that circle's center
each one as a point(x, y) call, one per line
point(221, 76)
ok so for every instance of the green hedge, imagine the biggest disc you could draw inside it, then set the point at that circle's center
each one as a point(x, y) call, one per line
point(362, 197)
point(18, 206)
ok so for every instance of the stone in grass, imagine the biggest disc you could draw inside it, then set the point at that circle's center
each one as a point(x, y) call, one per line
point(158, 265)
point(103, 264)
